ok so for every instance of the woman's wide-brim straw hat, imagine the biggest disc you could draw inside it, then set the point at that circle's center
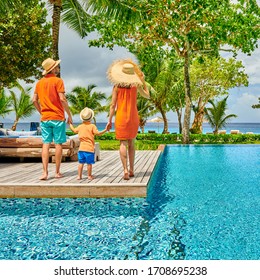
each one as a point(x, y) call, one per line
point(49, 64)
point(123, 73)
point(86, 114)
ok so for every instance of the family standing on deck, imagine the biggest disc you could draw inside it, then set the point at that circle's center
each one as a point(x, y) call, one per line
point(50, 101)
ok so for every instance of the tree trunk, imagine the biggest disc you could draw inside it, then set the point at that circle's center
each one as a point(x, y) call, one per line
point(196, 127)
point(187, 113)
point(165, 121)
point(142, 124)
point(14, 125)
point(179, 120)
point(57, 6)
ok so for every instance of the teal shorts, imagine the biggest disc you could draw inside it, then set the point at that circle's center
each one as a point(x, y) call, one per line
point(53, 131)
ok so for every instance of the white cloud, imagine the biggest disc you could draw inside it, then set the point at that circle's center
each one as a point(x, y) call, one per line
point(242, 107)
point(252, 65)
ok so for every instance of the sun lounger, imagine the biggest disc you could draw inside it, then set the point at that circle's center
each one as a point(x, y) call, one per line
point(222, 132)
point(235, 131)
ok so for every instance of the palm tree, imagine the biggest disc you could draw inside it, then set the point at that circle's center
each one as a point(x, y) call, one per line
point(216, 115)
point(22, 104)
point(145, 110)
point(5, 103)
point(81, 97)
point(73, 14)
point(167, 91)
point(57, 7)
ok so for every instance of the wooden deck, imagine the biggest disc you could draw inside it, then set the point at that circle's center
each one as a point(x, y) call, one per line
point(21, 179)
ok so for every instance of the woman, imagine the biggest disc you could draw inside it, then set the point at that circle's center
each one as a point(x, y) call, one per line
point(128, 80)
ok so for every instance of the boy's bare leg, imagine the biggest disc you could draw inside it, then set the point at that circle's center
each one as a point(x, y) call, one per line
point(80, 170)
point(58, 155)
point(123, 156)
point(45, 161)
point(90, 177)
point(131, 155)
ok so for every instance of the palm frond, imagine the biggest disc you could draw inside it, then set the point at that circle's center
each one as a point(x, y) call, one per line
point(5, 103)
point(216, 115)
point(75, 17)
point(114, 9)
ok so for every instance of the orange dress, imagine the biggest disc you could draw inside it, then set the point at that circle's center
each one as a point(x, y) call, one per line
point(126, 120)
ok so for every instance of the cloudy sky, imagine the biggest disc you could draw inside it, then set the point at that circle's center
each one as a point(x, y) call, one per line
point(81, 66)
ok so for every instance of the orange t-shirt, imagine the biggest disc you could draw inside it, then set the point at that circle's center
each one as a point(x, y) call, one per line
point(86, 132)
point(48, 89)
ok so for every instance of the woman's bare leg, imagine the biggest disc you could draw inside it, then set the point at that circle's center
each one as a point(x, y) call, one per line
point(123, 156)
point(131, 155)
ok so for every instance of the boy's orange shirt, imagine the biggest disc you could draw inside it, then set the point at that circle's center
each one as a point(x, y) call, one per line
point(48, 89)
point(86, 132)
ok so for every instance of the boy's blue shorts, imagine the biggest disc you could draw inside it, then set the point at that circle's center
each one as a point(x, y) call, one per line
point(86, 157)
point(53, 131)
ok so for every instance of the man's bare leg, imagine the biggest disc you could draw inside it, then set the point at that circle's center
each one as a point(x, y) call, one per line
point(58, 155)
point(45, 161)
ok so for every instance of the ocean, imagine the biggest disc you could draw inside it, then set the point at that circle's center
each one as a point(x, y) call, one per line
point(158, 128)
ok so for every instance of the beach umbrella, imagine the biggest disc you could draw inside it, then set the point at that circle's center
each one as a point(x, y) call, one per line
point(157, 120)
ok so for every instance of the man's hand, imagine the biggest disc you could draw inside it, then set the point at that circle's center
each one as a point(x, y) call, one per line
point(70, 121)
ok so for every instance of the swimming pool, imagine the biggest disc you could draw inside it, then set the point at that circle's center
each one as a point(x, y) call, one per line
point(203, 203)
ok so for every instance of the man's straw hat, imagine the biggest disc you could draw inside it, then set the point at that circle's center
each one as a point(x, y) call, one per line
point(86, 114)
point(124, 72)
point(49, 64)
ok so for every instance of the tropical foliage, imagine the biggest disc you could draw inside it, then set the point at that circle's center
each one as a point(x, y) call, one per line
point(216, 115)
point(21, 103)
point(185, 27)
point(5, 103)
point(72, 13)
point(211, 77)
point(145, 110)
point(81, 97)
point(24, 39)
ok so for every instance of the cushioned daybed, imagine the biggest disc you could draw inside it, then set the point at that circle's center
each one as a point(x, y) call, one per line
point(28, 144)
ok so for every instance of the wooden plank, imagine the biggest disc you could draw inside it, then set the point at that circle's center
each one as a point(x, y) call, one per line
point(150, 169)
point(117, 175)
point(141, 170)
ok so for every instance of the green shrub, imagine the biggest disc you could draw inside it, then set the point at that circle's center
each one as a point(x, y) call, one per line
point(151, 141)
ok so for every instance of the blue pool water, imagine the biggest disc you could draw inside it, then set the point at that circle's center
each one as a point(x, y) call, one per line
point(203, 203)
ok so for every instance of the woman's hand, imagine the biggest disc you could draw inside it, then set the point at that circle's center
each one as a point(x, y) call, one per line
point(109, 126)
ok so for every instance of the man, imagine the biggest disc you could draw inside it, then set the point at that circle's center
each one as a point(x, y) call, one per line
point(50, 101)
